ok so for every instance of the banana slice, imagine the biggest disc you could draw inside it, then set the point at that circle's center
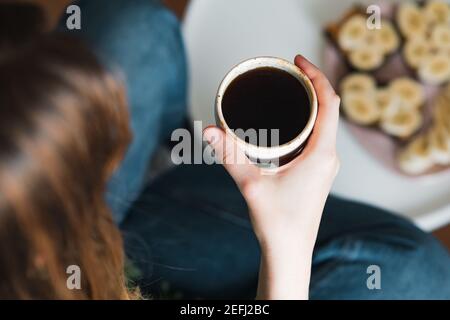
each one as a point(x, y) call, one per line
point(353, 32)
point(366, 58)
point(411, 21)
point(447, 91)
point(410, 92)
point(402, 124)
point(386, 37)
point(415, 51)
point(440, 37)
point(416, 158)
point(437, 12)
point(442, 111)
point(387, 102)
point(358, 82)
point(444, 130)
point(435, 69)
point(442, 118)
point(440, 149)
point(360, 107)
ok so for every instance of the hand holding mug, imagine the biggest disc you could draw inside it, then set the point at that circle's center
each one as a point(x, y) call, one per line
point(286, 208)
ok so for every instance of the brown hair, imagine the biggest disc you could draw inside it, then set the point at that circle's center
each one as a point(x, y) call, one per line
point(63, 130)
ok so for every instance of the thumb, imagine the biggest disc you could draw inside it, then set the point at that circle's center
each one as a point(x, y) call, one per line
point(231, 156)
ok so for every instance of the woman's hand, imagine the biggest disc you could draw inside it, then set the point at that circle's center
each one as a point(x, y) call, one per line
point(286, 208)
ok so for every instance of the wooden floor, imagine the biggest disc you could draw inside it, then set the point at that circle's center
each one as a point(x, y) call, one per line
point(177, 6)
point(443, 234)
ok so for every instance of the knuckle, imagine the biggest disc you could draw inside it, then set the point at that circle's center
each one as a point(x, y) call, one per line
point(227, 158)
point(228, 154)
point(337, 165)
point(250, 189)
point(330, 153)
point(336, 99)
point(330, 159)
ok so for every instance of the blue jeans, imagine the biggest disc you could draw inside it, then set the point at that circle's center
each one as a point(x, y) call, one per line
point(140, 40)
point(188, 232)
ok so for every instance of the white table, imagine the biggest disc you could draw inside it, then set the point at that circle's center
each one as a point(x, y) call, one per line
point(219, 34)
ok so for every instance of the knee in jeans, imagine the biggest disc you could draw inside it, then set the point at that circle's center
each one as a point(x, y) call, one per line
point(412, 264)
point(406, 262)
point(143, 16)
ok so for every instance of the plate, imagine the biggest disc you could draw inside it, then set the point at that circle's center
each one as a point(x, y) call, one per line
point(380, 145)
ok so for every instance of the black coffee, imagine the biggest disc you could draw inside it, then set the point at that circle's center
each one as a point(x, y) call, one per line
point(267, 98)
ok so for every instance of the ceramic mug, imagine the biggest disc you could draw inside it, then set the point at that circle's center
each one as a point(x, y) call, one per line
point(272, 157)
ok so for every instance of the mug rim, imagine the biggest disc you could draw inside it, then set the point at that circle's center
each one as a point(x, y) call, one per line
point(294, 144)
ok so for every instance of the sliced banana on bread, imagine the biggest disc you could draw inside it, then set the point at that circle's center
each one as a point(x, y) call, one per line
point(426, 30)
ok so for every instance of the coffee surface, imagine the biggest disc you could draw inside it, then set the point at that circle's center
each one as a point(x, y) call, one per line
point(267, 98)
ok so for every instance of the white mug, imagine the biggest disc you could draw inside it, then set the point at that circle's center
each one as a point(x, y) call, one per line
point(275, 156)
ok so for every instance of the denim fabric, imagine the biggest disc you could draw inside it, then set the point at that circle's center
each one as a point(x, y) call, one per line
point(189, 233)
point(141, 40)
